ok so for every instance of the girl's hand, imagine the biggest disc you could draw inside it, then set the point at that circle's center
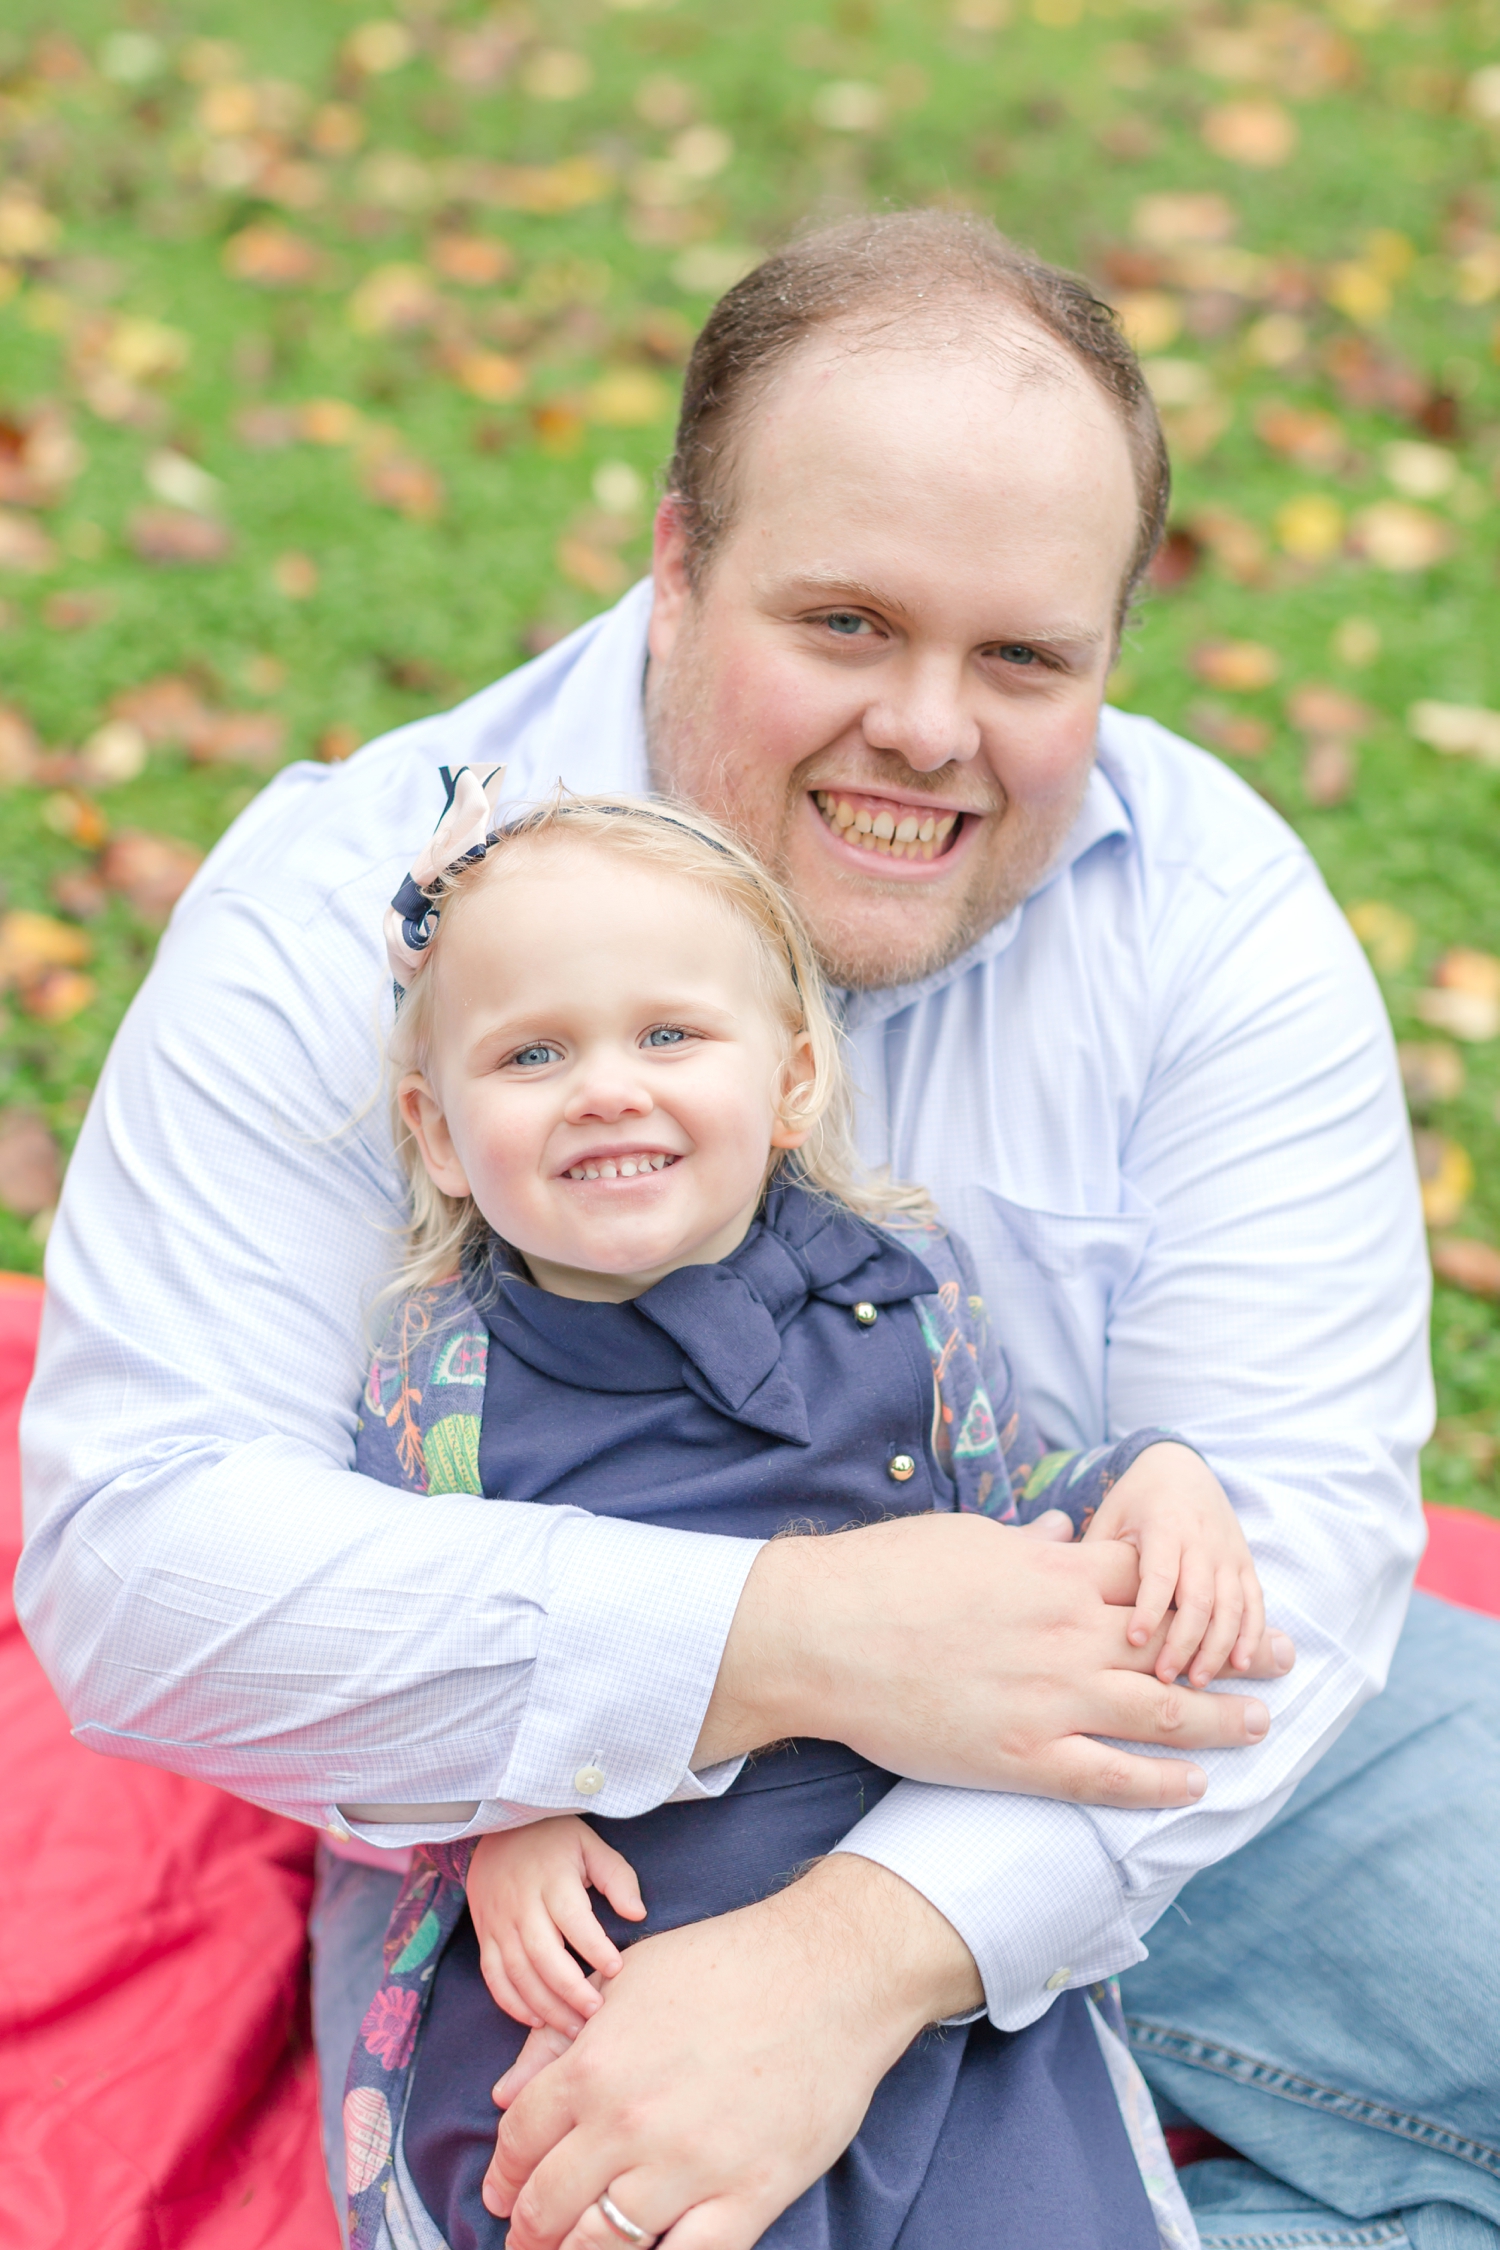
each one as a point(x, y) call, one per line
point(528, 1893)
point(1173, 1510)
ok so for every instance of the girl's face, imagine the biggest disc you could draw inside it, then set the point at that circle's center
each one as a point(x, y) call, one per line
point(605, 1076)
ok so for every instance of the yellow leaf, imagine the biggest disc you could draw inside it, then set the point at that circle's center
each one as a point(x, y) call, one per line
point(628, 398)
point(1311, 526)
point(1387, 935)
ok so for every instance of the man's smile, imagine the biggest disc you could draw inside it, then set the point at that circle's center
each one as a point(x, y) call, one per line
point(868, 825)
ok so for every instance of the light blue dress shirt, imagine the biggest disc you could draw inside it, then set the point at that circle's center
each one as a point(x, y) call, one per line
point(1161, 1102)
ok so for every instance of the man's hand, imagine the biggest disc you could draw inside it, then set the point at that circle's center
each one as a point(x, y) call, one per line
point(730, 2065)
point(951, 1649)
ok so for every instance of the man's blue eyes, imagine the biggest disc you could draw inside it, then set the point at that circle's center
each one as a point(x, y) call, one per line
point(1014, 652)
point(844, 621)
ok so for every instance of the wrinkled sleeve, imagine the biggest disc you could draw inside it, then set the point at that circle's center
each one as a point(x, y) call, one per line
point(208, 1583)
point(1277, 1319)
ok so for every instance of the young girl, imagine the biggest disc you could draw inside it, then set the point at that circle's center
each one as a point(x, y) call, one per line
point(641, 1235)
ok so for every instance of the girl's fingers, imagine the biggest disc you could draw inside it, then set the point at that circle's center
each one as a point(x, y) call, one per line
point(579, 1924)
point(1223, 1626)
point(610, 1871)
point(1253, 1621)
point(500, 1988)
point(1195, 1602)
point(564, 1982)
point(1161, 1565)
point(543, 2002)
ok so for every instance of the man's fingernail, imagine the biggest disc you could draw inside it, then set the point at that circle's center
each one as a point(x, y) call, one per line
point(1257, 1721)
point(1284, 1652)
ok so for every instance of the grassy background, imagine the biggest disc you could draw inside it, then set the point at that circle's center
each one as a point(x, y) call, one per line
point(143, 148)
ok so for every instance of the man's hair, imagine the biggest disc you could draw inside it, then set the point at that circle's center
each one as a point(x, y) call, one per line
point(861, 274)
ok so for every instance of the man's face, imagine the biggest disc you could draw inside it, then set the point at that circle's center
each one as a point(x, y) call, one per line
point(889, 677)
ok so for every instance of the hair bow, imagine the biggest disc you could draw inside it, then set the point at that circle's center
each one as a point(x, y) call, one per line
point(464, 831)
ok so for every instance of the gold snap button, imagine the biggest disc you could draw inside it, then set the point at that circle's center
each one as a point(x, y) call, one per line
point(901, 1468)
point(866, 1315)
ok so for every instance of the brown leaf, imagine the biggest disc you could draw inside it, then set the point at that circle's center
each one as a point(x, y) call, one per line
point(271, 257)
point(76, 609)
point(337, 743)
point(19, 746)
point(1237, 545)
point(79, 892)
point(1239, 666)
point(172, 536)
point(237, 738)
point(1329, 772)
point(266, 428)
point(1319, 710)
point(1312, 439)
point(1431, 1072)
point(1176, 560)
point(167, 709)
point(474, 261)
point(58, 995)
point(30, 1164)
point(1467, 1265)
point(78, 818)
point(23, 544)
point(1368, 378)
point(149, 872)
point(1233, 731)
point(409, 486)
point(39, 457)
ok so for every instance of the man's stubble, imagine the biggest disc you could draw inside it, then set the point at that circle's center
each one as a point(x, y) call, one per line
point(859, 950)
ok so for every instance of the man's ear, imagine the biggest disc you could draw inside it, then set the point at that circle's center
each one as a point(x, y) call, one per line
point(423, 1116)
point(798, 1077)
point(669, 547)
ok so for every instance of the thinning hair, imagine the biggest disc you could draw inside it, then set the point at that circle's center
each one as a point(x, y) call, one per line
point(671, 842)
point(863, 276)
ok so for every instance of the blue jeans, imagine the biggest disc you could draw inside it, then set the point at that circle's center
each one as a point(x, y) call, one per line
point(1327, 2001)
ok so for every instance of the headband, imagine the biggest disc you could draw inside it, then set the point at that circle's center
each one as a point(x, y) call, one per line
point(465, 831)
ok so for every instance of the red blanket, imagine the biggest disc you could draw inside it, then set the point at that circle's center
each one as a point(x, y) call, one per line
point(156, 2072)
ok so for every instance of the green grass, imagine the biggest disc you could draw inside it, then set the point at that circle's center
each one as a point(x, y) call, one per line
point(1055, 126)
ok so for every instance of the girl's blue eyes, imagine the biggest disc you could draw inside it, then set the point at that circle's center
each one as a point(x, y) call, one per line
point(538, 1056)
point(665, 1035)
point(531, 1057)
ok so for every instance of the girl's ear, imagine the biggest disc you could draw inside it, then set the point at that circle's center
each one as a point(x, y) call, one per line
point(798, 1079)
point(423, 1116)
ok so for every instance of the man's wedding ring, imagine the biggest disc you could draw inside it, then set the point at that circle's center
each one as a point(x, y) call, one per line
point(625, 2228)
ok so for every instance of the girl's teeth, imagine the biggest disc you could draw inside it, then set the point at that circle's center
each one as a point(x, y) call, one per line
point(627, 1169)
point(607, 1171)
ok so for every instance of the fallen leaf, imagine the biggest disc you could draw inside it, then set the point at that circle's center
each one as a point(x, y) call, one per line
point(547, 190)
point(1237, 545)
point(337, 743)
point(1151, 318)
point(171, 536)
point(1311, 527)
point(1464, 969)
point(376, 49)
point(1329, 772)
point(271, 256)
point(850, 105)
point(149, 872)
point(1358, 292)
point(1258, 133)
point(76, 609)
point(1446, 1172)
point(480, 55)
point(20, 746)
point(1466, 1264)
point(1387, 935)
point(1232, 731)
point(336, 129)
point(58, 995)
point(237, 738)
point(166, 709)
point(592, 568)
point(78, 818)
point(114, 753)
point(1311, 438)
point(628, 398)
point(1396, 536)
point(24, 546)
point(32, 943)
point(1459, 730)
point(180, 481)
point(1176, 559)
point(558, 425)
point(1367, 376)
point(1356, 642)
point(1431, 1072)
point(30, 1164)
point(266, 428)
point(295, 575)
point(1471, 1016)
point(1165, 221)
point(556, 74)
point(393, 179)
point(473, 261)
point(27, 229)
point(491, 376)
point(329, 421)
point(410, 486)
point(394, 300)
point(1418, 471)
point(1328, 711)
point(79, 892)
point(1239, 666)
point(39, 458)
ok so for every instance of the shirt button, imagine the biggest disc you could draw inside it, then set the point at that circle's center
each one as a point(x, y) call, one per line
point(589, 1780)
point(1057, 1980)
point(866, 1315)
point(901, 1468)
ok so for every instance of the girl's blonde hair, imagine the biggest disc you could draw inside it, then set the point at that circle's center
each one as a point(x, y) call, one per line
point(443, 1227)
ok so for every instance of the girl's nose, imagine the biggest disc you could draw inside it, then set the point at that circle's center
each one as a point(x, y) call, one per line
point(608, 1090)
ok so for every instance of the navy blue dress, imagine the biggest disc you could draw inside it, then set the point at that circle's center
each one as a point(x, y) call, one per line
point(742, 1398)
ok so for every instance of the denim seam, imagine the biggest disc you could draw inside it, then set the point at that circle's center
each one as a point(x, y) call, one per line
point(1364, 2238)
point(1269, 2078)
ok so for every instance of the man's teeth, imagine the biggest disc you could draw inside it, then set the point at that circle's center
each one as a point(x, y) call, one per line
point(625, 1169)
point(908, 838)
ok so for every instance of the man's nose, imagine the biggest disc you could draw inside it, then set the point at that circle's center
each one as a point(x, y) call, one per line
point(919, 714)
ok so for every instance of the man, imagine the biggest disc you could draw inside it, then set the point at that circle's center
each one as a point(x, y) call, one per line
point(1113, 1020)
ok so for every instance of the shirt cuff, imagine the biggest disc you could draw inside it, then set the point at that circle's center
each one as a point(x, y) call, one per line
point(1025, 1882)
point(627, 1657)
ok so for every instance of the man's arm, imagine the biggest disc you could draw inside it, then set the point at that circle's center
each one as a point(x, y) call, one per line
point(1278, 1320)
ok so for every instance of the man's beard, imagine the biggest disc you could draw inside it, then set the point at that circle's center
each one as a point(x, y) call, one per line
point(858, 949)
